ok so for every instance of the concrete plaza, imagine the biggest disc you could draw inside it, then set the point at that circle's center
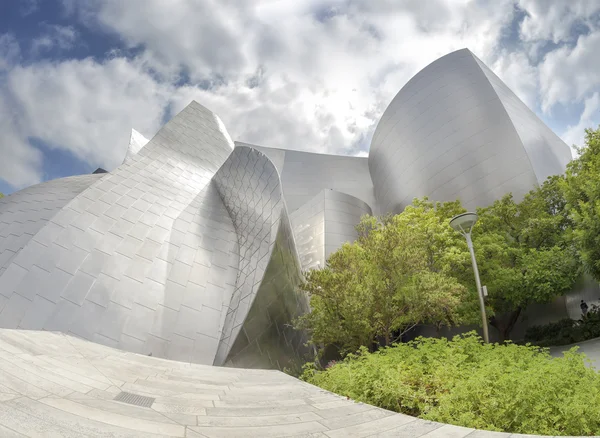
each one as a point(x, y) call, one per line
point(590, 348)
point(53, 384)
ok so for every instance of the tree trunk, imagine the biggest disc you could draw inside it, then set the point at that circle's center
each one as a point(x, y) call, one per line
point(505, 327)
point(387, 338)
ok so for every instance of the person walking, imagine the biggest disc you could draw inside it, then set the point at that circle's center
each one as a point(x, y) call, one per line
point(584, 308)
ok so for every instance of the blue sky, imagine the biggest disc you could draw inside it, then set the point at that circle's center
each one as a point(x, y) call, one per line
point(75, 77)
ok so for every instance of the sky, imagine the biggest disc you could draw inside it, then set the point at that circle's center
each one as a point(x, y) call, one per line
point(311, 75)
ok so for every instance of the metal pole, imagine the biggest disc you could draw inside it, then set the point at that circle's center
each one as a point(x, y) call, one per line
point(486, 337)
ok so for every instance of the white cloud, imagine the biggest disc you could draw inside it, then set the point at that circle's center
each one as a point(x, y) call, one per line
point(20, 163)
point(84, 107)
point(313, 75)
point(10, 51)
point(519, 75)
point(54, 36)
point(553, 20)
point(570, 74)
point(590, 118)
point(326, 72)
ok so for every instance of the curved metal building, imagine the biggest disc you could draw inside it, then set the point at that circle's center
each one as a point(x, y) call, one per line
point(455, 131)
point(304, 174)
point(193, 249)
point(167, 255)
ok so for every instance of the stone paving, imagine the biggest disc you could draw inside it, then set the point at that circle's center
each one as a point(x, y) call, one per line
point(53, 384)
point(591, 348)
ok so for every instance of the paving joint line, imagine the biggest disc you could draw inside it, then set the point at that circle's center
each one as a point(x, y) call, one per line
point(89, 362)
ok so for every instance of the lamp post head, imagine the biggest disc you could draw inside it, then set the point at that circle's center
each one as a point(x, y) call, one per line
point(464, 223)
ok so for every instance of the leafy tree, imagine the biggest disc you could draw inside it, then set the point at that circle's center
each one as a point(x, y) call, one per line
point(1, 195)
point(525, 252)
point(397, 275)
point(582, 187)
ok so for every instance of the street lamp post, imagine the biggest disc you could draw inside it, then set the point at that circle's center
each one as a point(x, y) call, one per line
point(463, 223)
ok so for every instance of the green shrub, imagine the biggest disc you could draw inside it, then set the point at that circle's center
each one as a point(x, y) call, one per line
point(554, 333)
point(510, 388)
point(566, 331)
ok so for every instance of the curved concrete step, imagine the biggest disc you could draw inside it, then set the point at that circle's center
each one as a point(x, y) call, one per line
point(52, 384)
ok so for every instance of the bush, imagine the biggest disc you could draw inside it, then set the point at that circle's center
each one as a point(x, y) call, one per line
point(509, 388)
point(566, 331)
point(554, 333)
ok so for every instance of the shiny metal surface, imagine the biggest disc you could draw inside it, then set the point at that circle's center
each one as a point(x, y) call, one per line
point(304, 174)
point(145, 259)
point(193, 250)
point(167, 255)
point(548, 154)
point(324, 224)
point(136, 142)
point(456, 131)
point(265, 299)
point(24, 213)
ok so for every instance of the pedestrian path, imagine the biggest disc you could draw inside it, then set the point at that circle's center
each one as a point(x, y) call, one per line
point(53, 384)
point(591, 348)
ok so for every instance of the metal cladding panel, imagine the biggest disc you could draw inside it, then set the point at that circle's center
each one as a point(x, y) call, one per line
point(549, 155)
point(324, 224)
point(308, 225)
point(447, 135)
point(265, 298)
point(304, 174)
point(342, 214)
point(136, 142)
point(187, 251)
point(145, 259)
point(267, 338)
point(24, 213)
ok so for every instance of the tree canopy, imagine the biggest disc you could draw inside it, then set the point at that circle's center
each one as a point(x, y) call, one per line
point(412, 268)
point(397, 275)
point(526, 252)
point(582, 189)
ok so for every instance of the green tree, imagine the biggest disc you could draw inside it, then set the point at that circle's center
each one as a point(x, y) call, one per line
point(397, 275)
point(582, 188)
point(1, 195)
point(525, 252)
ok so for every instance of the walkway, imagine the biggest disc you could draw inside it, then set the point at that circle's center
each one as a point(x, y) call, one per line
point(591, 349)
point(57, 385)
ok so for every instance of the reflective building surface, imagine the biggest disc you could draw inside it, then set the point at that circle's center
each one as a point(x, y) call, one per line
point(304, 174)
point(324, 223)
point(194, 247)
point(455, 131)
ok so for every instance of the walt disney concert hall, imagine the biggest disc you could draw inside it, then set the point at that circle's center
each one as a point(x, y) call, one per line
point(193, 248)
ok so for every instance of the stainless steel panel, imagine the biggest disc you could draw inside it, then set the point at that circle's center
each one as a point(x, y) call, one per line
point(250, 187)
point(305, 174)
point(127, 241)
point(322, 225)
point(24, 213)
point(187, 251)
point(455, 131)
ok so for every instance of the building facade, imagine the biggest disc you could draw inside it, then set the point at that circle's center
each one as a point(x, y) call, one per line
point(193, 248)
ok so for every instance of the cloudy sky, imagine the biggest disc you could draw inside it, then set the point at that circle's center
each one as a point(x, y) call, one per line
point(315, 75)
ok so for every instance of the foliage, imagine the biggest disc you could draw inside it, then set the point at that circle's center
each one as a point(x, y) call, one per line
point(397, 274)
point(1, 195)
point(566, 331)
point(551, 334)
point(510, 388)
point(582, 188)
point(525, 252)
